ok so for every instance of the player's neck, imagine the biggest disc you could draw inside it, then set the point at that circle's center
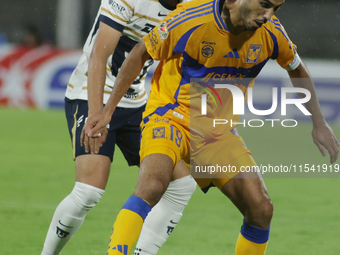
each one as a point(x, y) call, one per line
point(171, 3)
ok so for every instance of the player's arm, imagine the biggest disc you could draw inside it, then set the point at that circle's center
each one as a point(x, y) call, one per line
point(104, 45)
point(130, 69)
point(322, 134)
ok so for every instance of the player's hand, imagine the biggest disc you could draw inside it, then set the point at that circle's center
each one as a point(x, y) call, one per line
point(94, 132)
point(94, 143)
point(324, 138)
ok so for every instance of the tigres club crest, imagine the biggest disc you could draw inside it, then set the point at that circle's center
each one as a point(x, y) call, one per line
point(159, 132)
point(253, 53)
point(163, 30)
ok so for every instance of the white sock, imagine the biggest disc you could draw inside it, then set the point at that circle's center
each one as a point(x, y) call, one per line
point(164, 216)
point(69, 216)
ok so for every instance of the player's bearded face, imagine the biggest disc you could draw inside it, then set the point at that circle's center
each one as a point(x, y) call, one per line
point(255, 13)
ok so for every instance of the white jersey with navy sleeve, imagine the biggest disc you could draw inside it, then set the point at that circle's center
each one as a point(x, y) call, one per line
point(134, 19)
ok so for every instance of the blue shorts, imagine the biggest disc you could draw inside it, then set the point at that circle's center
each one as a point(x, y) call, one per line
point(124, 130)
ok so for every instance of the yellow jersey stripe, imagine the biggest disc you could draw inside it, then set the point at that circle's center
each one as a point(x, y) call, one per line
point(194, 12)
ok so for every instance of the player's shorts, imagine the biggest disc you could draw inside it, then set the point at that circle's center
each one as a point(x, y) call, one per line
point(215, 161)
point(162, 135)
point(123, 130)
point(245, 161)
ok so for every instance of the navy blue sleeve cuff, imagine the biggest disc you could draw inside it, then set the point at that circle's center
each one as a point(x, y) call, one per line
point(111, 23)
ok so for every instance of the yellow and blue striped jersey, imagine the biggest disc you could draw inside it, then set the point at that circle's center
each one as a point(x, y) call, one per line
point(194, 42)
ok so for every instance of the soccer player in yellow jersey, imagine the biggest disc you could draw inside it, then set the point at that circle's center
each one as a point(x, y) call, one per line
point(220, 40)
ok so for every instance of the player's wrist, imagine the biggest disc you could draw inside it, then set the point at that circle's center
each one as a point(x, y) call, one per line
point(108, 113)
point(94, 110)
point(319, 121)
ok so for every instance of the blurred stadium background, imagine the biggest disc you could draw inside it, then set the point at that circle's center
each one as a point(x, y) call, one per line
point(36, 168)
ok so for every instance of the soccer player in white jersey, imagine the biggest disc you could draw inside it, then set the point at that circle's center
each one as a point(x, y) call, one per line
point(119, 25)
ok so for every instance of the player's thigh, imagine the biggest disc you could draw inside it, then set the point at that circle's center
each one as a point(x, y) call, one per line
point(172, 138)
point(163, 144)
point(93, 170)
point(164, 136)
point(181, 170)
point(90, 169)
point(76, 115)
point(128, 133)
point(214, 162)
point(128, 143)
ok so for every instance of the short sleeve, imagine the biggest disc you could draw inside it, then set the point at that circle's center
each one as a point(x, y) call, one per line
point(287, 57)
point(162, 40)
point(116, 13)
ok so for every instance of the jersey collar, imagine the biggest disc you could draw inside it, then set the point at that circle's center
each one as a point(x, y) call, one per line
point(218, 5)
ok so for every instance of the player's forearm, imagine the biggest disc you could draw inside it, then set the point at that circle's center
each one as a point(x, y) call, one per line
point(130, 69)
point(104, 45)
point(301, 78)
point(128, 73)
point(96, 81)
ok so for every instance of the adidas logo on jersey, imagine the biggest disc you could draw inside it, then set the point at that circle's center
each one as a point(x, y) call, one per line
point(121, 248)
point(232, 54)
